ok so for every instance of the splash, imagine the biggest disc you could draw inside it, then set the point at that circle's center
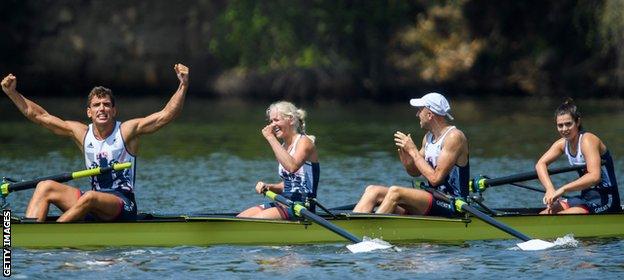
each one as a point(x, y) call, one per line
point(567, 241)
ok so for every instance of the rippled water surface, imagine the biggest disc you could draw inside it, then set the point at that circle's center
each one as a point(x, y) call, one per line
point(209, 161)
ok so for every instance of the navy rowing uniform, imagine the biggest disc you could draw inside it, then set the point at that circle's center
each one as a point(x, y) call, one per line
point(105, 153)
point(455, 183)
point(604, 197)
point(298, 186)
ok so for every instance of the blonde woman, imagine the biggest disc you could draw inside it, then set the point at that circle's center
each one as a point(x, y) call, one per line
point(297, 159)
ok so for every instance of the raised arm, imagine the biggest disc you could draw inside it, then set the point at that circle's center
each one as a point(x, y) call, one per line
point(135, 127)
point(38, 115)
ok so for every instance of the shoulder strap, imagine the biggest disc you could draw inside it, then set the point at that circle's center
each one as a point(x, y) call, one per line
point(294, 146)
point(578, 147)
point(441, 139)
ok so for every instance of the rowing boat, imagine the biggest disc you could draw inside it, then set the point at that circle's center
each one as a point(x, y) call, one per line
point(336, 225)
point(214, 229)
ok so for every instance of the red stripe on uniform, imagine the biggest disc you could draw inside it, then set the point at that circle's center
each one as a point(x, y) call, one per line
point(283, 213)
point(430, 204)
point(121, 203)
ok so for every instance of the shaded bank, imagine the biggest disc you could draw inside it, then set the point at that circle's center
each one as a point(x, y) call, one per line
point(310, 50)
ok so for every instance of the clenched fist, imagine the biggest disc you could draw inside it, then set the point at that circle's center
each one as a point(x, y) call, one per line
point(8, 83)
point(182, 73)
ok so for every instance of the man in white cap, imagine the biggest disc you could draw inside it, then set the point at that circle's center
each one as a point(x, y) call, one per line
point(442, 160)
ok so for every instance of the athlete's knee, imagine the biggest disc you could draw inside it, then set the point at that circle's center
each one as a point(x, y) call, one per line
point(45, 185)
point(374, 189)
point(45, 188)
point(87, 199)
point(394, 192)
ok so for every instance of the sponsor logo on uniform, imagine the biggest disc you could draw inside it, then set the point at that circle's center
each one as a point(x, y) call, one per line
point(443, 204)
point(606, 206)
point(128, 206)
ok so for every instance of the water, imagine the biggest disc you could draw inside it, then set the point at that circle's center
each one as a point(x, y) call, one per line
point(210, 160)
point(479, 259)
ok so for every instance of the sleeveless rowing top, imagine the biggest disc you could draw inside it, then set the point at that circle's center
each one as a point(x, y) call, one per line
point(608, 183)
point(456, 182)
point(104, 153)
point(302, 183)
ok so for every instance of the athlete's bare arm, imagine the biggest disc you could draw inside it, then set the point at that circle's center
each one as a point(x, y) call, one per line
point(405, 144)
point(38, 115)
point(541, 167)
point(454, 149)
point(133, 128)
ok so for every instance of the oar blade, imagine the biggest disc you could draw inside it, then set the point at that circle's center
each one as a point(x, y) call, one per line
point(368, 245)
point(535, 245)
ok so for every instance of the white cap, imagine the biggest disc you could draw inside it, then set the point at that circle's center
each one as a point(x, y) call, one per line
point(434, 102)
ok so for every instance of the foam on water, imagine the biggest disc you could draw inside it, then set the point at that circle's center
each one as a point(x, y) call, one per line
point(567, 241)
point(100, 262)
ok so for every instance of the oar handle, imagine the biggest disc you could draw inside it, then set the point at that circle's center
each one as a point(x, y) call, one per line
point(302, 211)
point(7, 188)
point(461, 206)
point(100, 170)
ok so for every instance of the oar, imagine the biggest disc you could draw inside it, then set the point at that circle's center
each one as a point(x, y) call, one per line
point(483, 183)
point(532, 188)
point(462, 206)
point(7, 188)
point(300, 210)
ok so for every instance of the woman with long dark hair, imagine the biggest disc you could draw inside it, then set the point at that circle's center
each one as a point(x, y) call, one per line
point(597, 183)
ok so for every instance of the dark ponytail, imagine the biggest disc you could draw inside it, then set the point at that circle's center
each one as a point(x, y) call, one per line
point(568, 107)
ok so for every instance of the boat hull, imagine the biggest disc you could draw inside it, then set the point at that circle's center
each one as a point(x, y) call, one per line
point(204, 230)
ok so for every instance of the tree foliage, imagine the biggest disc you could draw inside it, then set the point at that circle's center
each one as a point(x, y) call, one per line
point(335, 49)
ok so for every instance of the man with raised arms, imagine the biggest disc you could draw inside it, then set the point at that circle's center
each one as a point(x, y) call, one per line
point(104, 142)
point(442, 160)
